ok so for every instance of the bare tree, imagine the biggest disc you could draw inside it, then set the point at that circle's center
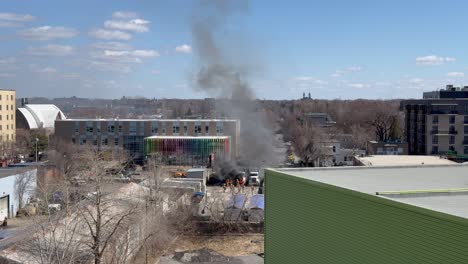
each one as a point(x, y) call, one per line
point(307, 142)
point(24, 183)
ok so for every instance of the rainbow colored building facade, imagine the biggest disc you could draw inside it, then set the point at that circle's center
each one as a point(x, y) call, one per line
point(186, 150)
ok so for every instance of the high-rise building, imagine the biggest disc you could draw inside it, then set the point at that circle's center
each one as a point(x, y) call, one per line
point(438, 123)
point(7, 115)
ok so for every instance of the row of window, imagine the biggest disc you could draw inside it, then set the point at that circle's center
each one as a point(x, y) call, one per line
point(7, 137)
point(7, 127)
point(435, 140)
point(7, 97)
point(104, 141)
point(435, 119)
point(8, 117)
point(7, 107)
point(435, 149)
point(154, 128)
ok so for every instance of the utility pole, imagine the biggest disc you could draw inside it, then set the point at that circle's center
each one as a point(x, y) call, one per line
point(37, 140)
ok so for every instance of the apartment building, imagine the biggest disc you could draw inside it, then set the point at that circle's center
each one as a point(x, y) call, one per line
point(438, 123)
point(7, 115)
point(130, 133)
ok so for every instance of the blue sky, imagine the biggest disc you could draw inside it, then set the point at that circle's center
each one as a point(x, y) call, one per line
point(332, 49)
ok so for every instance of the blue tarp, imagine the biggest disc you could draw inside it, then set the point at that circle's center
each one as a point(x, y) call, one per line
point(257, 201)
point(236, 201)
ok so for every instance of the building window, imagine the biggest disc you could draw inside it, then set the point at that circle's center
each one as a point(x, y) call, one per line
point(465, 150)
point(116, 141)
point(11, 107)
point(12, 97)
point(0, 97)
point(105, 142)
point(207, 129)
point(77, 127)
point(7, 107)
point(452, 129)
point(89, 129)
point(8, 137)
point(451, 148)
point(219, 128)
point(0, 127)
point(197, 129)
point(465, 128)
point(435, 140)
point(95, 142)
point(73, 141)
point(98, 127)
point(132, 128)
point(185, 129)
point(7, 117)
point(7, 127)
point(334, 149)
point(110, 128)
point(435, 119)
point(465, 119)
point(142, 129)
point(154, 128)
point(435, 150)
point(452, 140)
point(175, 129)
point(12, 126)
point(0, 107)
point(164, 126)
point(120, 128)
point(452, 119)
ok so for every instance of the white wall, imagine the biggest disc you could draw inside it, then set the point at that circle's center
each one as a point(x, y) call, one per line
point(7, 187)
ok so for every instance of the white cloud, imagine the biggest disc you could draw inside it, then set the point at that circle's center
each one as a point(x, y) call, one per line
point(112, 45)
point(183, 49)
point(8, 64)
point(353, 69)
point(110, 34)
point(106, 66)
point(416, 81)
point(7, 75)
point(51, 50)
point(304, 78)
point(124, 14)
point(10, 24)
point(455, 74)
point(134, 25)
point(135, 53)
point(38, 69)
point(341, 72)
point(48, 33)
point(448, 59)
point(358, 85)
point(16, 17)
point(432, 60)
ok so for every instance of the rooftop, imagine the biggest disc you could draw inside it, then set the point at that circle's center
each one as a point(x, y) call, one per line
point(154, 119)
point(403, 160)
point(442, 188)
point(188, 137)
point(6, 172)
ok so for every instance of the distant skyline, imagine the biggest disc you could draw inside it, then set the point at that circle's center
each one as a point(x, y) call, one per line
point(332, 49)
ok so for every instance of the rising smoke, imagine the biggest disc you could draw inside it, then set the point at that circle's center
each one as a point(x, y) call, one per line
point(220, 76)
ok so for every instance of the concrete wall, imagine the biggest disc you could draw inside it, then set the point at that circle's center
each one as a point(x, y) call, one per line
point(311, 222)
point(7, 187)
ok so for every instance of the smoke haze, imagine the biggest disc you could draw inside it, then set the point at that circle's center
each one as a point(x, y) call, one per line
point(220, 77)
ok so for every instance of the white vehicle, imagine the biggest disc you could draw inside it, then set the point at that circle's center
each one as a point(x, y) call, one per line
point(254, 178)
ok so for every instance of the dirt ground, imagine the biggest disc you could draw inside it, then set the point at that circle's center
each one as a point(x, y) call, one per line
point(228, 245)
